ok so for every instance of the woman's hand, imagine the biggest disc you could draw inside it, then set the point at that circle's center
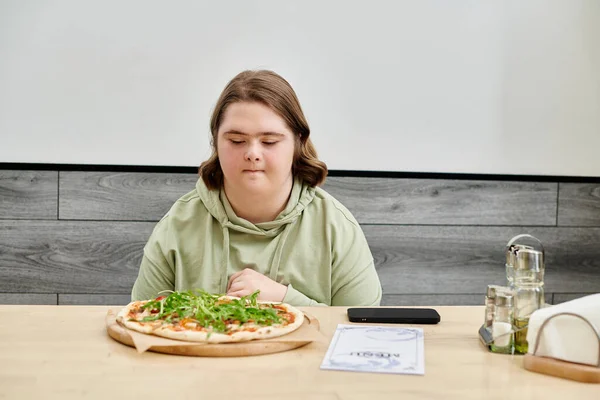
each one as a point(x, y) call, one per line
point(248, 281)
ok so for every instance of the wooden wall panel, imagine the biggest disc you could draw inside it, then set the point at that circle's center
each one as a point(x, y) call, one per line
point(79, 299)
point(103, 257)
point(28, 194)
point(579, 204)
point(432, 300)
point(408, 300)
point(562, 297)
point(435, 242)
point(129, 196)
point(465, 259)
point(28, 298)
point(71, 256)
point(446, 202)
point(147, 197)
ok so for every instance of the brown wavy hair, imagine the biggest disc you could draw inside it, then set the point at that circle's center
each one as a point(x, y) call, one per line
point(270, 89)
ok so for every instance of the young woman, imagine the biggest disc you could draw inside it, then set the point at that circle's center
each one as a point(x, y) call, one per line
point(256, 219)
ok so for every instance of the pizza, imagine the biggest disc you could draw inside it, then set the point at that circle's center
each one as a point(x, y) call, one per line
point(203, 317)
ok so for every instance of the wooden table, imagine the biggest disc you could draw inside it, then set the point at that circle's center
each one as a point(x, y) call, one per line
point(63, 352)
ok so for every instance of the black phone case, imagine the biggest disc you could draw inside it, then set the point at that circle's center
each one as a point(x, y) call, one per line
point(379, 315)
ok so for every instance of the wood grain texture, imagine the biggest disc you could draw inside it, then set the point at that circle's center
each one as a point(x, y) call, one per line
point(579, 204)
point(562, 369)
point(464, 259)
point(28, 194)
point(128, 196)
point(446, 202)
point(69, 256)
point(147, 196)
point(75, 359)
point(104, 257)
point(78, 299)
point(28, 298)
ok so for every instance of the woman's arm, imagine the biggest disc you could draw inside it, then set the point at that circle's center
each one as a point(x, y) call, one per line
point(152, 279)
point(156, 273)
point(354, 280)
point(297, 298)
point(361, 287)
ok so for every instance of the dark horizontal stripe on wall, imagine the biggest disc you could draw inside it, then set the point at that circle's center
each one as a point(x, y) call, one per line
point(461, 299)
point(29, 298)
point(90, 299)
point(333, 172)
point(563, 297)
point(99, 168)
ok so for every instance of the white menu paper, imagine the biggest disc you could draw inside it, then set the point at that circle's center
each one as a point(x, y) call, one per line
point(391, 350)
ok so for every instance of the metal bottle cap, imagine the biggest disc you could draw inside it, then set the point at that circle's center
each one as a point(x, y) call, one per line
point(492, 290)
point(504, 299)
point(529, 260)
point(512, 250)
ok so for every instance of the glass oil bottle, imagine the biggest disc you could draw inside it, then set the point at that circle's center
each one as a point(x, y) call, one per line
point(528, 288)
point(525, 275)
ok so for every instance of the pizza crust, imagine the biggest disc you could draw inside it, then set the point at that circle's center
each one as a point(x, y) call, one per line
point(158, 328)
point(124, 318)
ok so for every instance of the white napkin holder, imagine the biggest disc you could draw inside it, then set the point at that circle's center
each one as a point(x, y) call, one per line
point(564, 340)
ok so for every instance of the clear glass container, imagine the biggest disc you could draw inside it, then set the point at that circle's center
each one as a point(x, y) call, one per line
point(490, 303)
point(502, 324)
point(525, 274)
point(528, 288)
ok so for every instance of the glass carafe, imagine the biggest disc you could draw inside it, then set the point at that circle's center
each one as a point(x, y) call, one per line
point(525, 275)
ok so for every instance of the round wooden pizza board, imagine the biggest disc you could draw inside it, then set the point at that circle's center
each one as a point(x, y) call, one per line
point(250, 348)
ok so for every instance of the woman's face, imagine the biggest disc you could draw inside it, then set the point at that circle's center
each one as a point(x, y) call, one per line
point(255, 148)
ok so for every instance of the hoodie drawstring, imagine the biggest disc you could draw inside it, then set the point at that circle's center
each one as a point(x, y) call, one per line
point(224, 261)
point(218, 206)
point(279, 252)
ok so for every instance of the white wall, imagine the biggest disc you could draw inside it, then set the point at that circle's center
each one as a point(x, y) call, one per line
point(504, 87)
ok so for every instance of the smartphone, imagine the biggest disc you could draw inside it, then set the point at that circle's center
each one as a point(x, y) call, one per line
point(394, 315)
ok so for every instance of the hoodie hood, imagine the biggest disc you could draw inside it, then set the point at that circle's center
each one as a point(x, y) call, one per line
point(218, 206)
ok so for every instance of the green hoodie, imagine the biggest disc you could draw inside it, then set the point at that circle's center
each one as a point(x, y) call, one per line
point(314, 246)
